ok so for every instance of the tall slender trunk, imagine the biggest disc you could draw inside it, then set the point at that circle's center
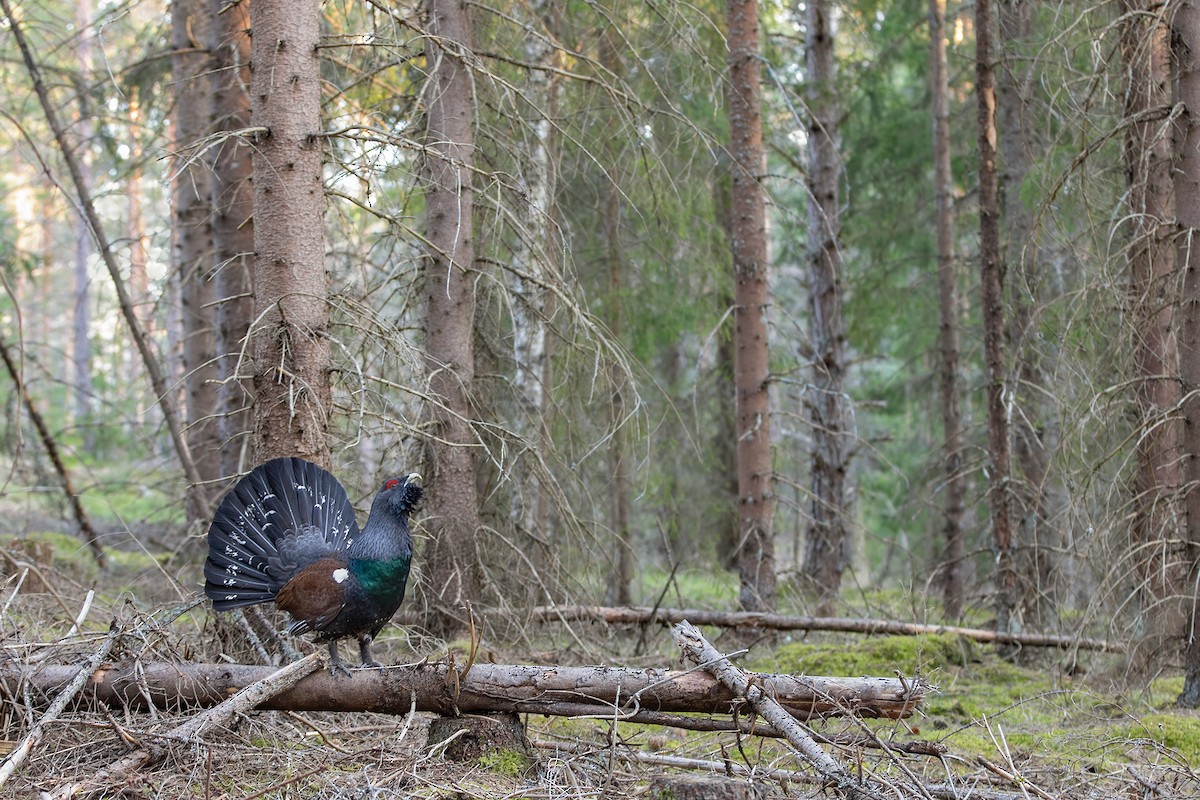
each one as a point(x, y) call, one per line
point(953, 566)
point(992, 302)
point(751, 299)
point(233, 225)
point(536, 257)
point(827, 548)
point(1037, 544)
point(192, 234)
point(618, 589)
point(292, 363)
point(451, 502)
point(1186, 46)
point(139, 281)
point(724, 428)
point(82, 339)
point(1146, 54)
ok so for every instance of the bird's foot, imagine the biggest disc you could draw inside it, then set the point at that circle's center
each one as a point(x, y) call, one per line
point(337, 668)
point(364, 650)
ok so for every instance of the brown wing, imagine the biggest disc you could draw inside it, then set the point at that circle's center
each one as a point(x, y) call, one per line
point(315, 595)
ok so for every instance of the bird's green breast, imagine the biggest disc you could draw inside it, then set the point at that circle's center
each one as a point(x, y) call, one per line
point(381, 579)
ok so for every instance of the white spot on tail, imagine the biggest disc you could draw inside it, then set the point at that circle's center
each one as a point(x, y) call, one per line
point(340, 575)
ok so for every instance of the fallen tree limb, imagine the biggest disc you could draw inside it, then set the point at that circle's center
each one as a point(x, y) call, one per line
point(558, 691)
point(699, 651)
point(635, 615)
point(729, 766)
point(750, 726)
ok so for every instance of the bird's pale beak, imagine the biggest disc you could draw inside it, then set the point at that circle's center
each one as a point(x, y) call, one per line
point(414, 478)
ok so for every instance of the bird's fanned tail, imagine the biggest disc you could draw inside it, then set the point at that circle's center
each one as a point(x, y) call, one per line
point(285, 514)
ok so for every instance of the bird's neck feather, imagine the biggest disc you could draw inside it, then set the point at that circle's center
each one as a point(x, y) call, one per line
point(383, 538)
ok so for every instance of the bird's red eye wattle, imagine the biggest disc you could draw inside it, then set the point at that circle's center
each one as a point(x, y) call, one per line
point(391, 484)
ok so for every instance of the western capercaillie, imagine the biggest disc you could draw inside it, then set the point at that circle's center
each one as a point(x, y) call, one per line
point(286, 533)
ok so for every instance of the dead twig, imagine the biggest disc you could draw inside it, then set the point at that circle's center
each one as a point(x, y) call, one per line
point(254, 694)
point(1014, 779)
point(31, 740)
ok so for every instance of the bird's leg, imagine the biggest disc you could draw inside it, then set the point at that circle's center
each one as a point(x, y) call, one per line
point(364, 650)
point(337, 667)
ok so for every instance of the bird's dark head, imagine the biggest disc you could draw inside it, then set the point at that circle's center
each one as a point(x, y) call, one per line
point(401, 495)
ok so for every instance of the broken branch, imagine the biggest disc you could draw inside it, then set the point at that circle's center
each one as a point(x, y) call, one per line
point(620, 615)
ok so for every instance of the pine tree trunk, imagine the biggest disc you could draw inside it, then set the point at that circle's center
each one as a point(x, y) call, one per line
point(953, 566)
point(1186, 41)
point(233, 225)
point(82, 340)
point(751, 299)
point(827, 548)
point(1145, 44)
point(727, 525)
point(992, 301)
point(451, 504)
point(618, 592)
point(193, 247)
point(139, 281)
point(292, 365)
point(1037, 544)
point(618, 589)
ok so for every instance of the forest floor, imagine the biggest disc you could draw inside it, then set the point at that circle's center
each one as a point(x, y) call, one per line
point(1049, 726)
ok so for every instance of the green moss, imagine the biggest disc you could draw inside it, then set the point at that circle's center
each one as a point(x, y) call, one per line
point(1179, 731)
point(1165, 691)
point(508, 762)
point(129, 502)
point(875, 655)
point(688, 588)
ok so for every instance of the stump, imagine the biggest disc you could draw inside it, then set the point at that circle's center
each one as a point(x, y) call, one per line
point(37, 555)
point(710, 787)
point(497, 741)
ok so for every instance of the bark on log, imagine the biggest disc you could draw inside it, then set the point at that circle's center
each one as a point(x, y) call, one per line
point(635, 615)
point(551, 690)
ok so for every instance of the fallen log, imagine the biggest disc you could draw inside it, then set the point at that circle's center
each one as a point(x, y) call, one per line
point(641, 615)
point(609, 692)
point(728, 766)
